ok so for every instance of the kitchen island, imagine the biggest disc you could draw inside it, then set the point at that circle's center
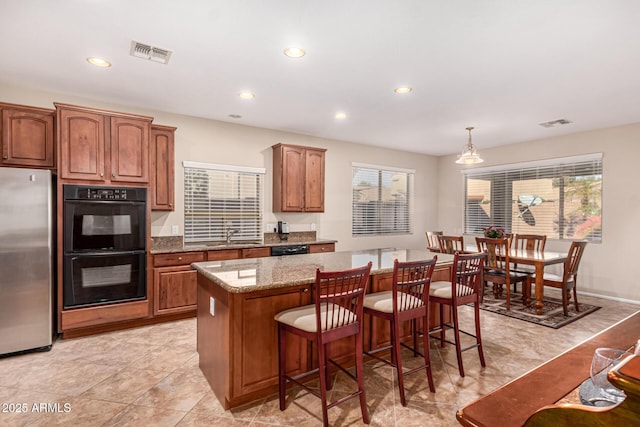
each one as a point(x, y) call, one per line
point(237, 299)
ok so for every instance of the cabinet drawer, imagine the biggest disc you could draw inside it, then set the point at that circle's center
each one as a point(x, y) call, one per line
point(180, 258)
point(324, 247)
point(256, 252)
point(223, 254)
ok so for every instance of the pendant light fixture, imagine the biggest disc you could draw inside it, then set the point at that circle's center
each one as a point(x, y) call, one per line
point(469, 156)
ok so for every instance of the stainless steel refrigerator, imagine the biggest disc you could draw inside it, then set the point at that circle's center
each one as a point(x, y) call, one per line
point(26, 259)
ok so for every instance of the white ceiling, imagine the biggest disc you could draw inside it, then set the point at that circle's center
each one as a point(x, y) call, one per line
point(503, 66)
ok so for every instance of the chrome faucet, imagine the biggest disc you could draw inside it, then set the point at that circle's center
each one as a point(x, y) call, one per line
point(230, 232)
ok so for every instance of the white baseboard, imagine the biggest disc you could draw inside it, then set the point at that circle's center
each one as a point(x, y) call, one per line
point(629, 301)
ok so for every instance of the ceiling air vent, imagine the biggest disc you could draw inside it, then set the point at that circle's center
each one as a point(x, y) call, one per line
point(145, 51)
point(553, 123)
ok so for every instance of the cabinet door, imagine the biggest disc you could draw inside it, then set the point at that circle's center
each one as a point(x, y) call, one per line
point(257, 332)
point(314, 181)
point(293, 165)
point(161, 154)
point(175, 290)
point(129, 150)
point(27, 138)
point(81, 145)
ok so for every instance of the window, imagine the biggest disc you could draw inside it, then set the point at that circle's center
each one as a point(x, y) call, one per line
point(222, 201)
point(381, 199)
point(561, 198)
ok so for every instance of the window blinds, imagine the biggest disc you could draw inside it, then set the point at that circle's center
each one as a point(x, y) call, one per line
point(220, 200)
point(560, 198)
point(381, 200)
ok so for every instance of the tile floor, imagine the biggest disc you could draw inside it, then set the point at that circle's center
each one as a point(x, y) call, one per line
point(150, 377)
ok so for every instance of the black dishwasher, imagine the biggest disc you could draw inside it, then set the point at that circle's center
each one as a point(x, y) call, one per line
point(289, 250)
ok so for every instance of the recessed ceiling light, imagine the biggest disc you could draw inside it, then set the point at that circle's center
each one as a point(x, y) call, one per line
point(98, 62)
point(235, 116)
point(403, 89)
point(247, 95)
point(294, 52)
point(341, 116)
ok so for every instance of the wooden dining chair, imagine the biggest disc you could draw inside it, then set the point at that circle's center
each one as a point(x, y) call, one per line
point(497, 269)
point(566, 282)
point(462, 289)
point(432, 240)
point(337, 313)
point(450, 244)
point(527, 242)
point(408, 300)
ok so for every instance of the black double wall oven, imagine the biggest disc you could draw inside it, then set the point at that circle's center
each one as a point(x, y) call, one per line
point(104, 232)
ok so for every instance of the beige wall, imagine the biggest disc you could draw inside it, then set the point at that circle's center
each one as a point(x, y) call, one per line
point(213, 141)
point(607, 268)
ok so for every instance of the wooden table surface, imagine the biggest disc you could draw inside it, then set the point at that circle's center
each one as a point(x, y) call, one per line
point(513, 403)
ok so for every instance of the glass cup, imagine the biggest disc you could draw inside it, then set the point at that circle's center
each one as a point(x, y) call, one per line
point(604, 359)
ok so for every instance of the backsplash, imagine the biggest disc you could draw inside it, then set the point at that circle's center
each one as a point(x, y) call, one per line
point(160, 243)
point(293, 237)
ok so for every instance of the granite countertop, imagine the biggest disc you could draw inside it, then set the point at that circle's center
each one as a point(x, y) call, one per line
point(256, 274)
point(173, 244)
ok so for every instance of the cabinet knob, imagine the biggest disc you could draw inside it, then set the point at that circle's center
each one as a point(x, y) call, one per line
point(179, 258)
point(322, 249)
point(113, 175)
point(101, 174)
point(5, 157)
point(170, 204)
point(305, 290)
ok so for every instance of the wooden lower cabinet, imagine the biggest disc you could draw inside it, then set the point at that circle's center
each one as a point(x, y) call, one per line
point(258, 330)
point(235, 329)
point(174, 282)
point(174, 290)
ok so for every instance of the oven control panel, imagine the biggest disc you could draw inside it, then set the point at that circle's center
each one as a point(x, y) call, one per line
point(78, 192)
point(103, 193)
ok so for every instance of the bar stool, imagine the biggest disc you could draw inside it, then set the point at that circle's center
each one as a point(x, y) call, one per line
point(408, 300)
point(466, 279)
point(336, 313)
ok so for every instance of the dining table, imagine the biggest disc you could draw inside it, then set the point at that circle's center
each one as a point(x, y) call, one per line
point(539, 260)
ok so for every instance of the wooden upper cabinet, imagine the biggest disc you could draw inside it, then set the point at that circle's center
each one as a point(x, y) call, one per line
point(27, 136)
point(129, 149)
point(82, 145)
point(298, 178)
point(104, 146)
point(314, 180)
point(161, 155)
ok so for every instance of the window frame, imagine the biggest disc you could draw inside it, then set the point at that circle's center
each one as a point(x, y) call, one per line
point(358, 227)
point(549, 168)
point(221, 212)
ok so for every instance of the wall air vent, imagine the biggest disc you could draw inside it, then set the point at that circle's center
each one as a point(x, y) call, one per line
point(553, 123)
point(145, 51)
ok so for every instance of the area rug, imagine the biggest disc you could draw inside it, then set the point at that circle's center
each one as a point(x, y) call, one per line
point(551, 316)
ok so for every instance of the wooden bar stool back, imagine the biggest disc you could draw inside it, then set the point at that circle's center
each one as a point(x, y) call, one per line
point(337, 313)
point(466, 280)
point(408, 300)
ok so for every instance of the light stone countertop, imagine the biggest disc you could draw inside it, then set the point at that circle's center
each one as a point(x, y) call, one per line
point(174, 244)
point(257, 274)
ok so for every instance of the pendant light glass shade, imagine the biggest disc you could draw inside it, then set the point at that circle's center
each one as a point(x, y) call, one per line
point(469, 156)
